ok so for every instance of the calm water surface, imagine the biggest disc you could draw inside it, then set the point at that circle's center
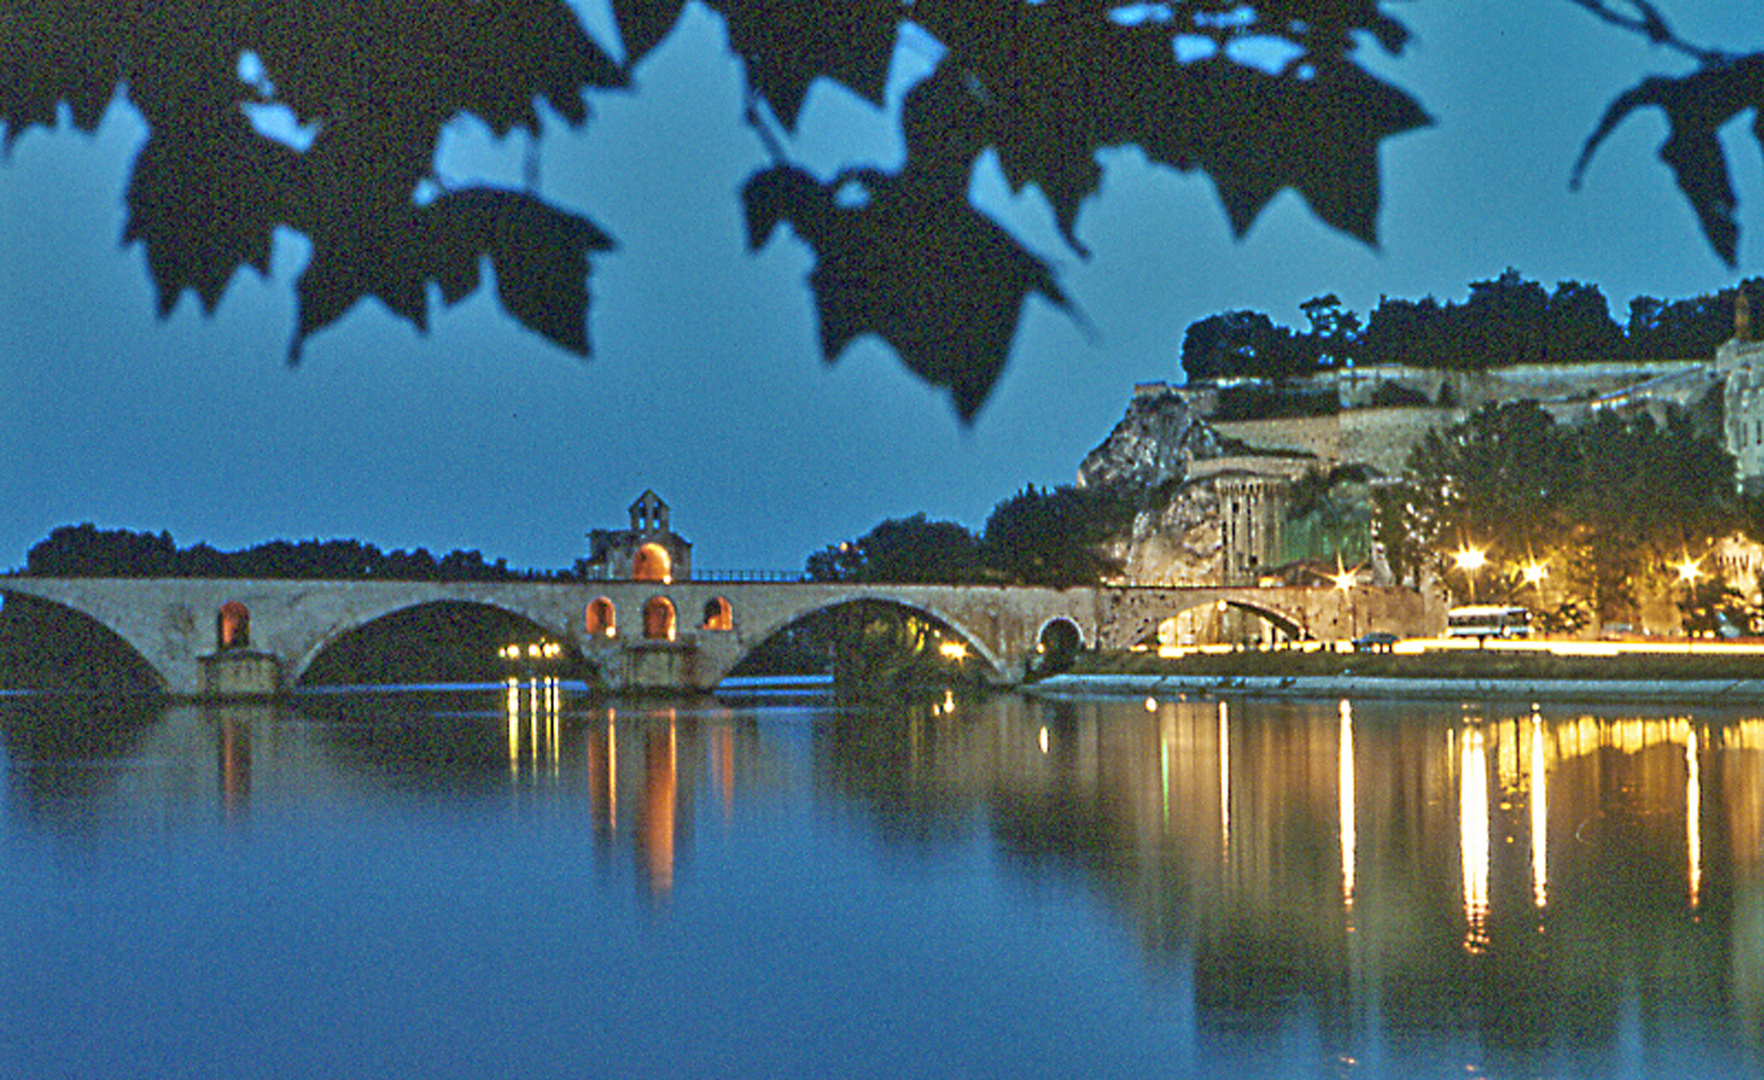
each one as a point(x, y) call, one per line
point(523, 882)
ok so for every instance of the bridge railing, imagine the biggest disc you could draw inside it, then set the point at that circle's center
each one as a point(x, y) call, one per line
point(748, 575)
point(715, 576)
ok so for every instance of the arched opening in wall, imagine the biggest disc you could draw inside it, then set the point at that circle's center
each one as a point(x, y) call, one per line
point(868, 644)
point(446, 642)
point(232, 626)
point(1057, 647)
point(659, 619)
point(601, 618)
point(1221, 623)
point(651, 563)
point(44, 646)
point(718, 614)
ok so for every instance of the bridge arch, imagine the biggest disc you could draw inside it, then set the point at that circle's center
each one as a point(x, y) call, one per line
point(322, 648)
point(1153, 609)
point(1057, 644)
point(818, 602)
point(85, 651)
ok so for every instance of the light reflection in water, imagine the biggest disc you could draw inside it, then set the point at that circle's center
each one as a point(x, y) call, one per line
point(1693, 819)
point(1260, 946)
point(1540, 816)
point(535, 705)
point(1224, 785)
point(1345, 799)
point(1473, 828)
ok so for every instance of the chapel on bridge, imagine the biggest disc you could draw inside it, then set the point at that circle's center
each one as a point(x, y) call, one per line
point(647, 551)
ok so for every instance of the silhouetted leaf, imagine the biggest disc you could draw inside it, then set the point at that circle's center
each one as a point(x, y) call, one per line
point(1051, 84)
point(204, 200)
point(1256, 134)
point(940, 283)
point(787, 44)
point(53, 51)
point(540, 256)
point(643, 24)
point(1696, 107)
point(433, 58)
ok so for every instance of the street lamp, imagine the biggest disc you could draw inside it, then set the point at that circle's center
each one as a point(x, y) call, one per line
point(1470, 560)
point(1688, 572)
point(1344, 581)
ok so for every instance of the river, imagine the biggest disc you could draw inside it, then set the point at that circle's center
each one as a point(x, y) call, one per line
point(524, 881)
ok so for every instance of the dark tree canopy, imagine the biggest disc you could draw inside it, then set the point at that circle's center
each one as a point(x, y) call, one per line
point(1505, 320)
point(88, 551)
point(901, 255)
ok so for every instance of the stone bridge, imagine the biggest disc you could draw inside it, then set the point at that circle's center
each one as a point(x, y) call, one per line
point(232, 637)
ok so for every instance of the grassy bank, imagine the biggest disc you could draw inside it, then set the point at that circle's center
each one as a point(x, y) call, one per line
point(1449, 664)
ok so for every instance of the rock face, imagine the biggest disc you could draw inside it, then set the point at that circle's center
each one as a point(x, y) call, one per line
point(1176, 537)
point(1151, 446)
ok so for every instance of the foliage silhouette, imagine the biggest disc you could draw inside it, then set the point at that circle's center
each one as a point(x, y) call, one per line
point(1506, 320)
point(901, 255)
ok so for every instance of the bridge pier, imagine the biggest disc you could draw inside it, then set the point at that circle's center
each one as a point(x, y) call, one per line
point(239, 673)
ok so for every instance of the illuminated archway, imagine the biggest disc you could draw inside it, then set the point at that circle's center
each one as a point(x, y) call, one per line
point(658, 619)
point(232, 626)
point(718, 614)
point(651, 563)
point(1057, 646)
point(601, 618)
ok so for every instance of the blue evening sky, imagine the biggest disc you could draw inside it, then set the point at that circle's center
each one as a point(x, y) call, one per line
point(706, 383)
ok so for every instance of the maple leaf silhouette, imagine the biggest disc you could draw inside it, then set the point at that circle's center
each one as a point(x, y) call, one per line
point(787, 44)
point(925, 272)
point(1696, 107)
point(540, 255)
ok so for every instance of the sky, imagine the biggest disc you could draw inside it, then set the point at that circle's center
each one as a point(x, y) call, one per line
point(706, 382)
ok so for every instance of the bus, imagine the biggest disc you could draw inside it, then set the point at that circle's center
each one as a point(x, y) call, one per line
point(1488, 620)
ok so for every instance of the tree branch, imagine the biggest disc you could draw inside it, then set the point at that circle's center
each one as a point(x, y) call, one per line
point(1648, 22)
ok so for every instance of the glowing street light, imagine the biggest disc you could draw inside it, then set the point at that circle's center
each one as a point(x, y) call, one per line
point(1535, 573)
point(1470, 560)
point(1689, 570)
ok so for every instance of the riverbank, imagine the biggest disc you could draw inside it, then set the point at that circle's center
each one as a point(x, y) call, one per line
point(1456, 674)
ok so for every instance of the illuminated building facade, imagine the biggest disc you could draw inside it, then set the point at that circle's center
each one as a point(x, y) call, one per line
point(647, 551)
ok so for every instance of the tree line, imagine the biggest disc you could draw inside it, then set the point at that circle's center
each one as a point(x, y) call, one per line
point(88, 551)
point(1039, 536)
point(1504, 321)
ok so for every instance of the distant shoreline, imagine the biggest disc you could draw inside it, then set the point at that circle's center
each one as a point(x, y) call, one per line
point(1686, 691)
point(1460, 674)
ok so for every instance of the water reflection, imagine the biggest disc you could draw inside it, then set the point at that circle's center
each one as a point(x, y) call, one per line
point(1362, 885)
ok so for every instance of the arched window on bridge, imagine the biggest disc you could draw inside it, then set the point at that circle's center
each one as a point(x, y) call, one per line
point(718, 615)
point(1058, 646)
point(658, 619)
point(651, 563)
point(601, 619)
point(232, 626)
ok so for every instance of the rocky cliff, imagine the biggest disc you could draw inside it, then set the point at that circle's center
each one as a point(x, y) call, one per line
point(1151, 446)
point(1176, 537)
